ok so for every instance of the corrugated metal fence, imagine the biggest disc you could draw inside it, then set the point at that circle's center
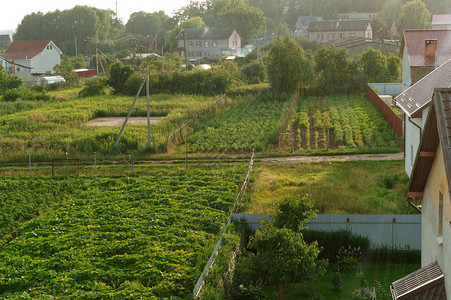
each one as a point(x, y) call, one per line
point(392, 119)
point(393, 231)
point(392, 89)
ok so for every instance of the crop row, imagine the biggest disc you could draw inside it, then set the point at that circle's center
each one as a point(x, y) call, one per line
point(355, 123)
point(253, 123)
point(117, 238)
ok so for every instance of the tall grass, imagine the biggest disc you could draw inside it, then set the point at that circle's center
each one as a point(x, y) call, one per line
point(359, 187)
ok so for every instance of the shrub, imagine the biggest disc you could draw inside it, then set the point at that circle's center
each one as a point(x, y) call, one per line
point(333, 241)
point(19, 93)
point(132, 85)
point(118, 76)
point(93, 87)
point(386, 254)
point(253, 73)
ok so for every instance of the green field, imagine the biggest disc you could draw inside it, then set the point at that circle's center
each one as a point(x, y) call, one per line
point(359, 187)
point(48, 129)
point(110, 237)
point(254, 123)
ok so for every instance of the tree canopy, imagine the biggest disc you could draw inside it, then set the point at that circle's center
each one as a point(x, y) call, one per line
point(414, 15)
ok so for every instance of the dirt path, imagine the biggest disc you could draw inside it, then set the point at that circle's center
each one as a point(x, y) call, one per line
point(353, 157)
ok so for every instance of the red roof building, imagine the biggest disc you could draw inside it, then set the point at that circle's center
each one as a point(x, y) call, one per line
point(422, 51)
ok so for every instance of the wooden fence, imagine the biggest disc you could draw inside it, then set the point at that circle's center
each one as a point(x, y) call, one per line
point(392, 119)
point(287, 119)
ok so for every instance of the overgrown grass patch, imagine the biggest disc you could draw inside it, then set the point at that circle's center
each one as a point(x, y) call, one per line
point(357, 187)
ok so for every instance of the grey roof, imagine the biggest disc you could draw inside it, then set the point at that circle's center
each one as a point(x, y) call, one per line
point(206, 33)
point(305, 20)
point(418, 96)
point(426, 283)
point(340, 25)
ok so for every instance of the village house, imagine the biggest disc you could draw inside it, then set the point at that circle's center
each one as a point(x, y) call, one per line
point(421, 52)
point(415, 102)
point(442, 21)
point(322, 31)
point(429, 192)
point(301, 27)
point(357, 16)
point(208, 42)
point(21, 71)
point(40, 56)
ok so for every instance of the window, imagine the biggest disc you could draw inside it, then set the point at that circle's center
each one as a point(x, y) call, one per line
point(207, 43)
point(190, 44)
point(215, 43)
point(198, 43)
point(235, 43)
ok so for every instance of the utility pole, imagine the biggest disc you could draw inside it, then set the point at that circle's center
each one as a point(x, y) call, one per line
point(97, 61)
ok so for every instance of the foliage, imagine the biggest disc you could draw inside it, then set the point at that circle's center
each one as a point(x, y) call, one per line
point(248, 20)
point(389, 255)
point(115, 238)
point(285, 66)
point(380, 28)
point(67, 26)
point(8, 81)
point(253, 73)
point(119, 74)
point(293, 212)
point(93, 87)
point(24, 93)
point(335, 244)
point(283, 258)
point(379, 68)
point(414, 15)
point(337, 72)
point(66, 69)
point(142, 23)
point(252, 123)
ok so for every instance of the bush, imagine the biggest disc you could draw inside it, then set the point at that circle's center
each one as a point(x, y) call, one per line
point(132, 84)
point(333, 241)
point(19, 93)
point(253, 73)
point(385, 254)
point(93, 87)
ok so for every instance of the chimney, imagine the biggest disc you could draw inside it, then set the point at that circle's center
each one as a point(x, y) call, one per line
point(430, 47)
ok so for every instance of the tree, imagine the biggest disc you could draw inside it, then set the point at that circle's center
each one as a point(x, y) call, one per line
point(413, 15)
point(380, 28)
point(283, 258)
point(293, 212)
point(286, 65)
point(142, 23)
point(8, 81)
point(118, 76)
point(249, 21)
point(374, 65)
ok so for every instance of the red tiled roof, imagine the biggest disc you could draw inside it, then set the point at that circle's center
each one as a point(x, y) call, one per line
point(24, 49)
point(414, 43)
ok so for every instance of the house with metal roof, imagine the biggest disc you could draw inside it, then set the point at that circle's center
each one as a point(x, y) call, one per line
point(208, 42)
point(322, 31)
point(422, 51)
point(441, 21)
point(40, 56)
point(429, 191)
point(415, 102)
point(302, 24)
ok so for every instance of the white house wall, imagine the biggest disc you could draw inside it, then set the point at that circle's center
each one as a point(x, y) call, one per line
point(45, 61)
point(431, 250)
point(412, 142)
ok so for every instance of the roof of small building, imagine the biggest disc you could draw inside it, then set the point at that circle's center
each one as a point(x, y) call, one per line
point(26, 49)
point(206, 33)
point(441, 19)
point(437, 130)
point(305, 20)
point(418, 96)
point(426, 283)
point(414, 43)
point(5, 38)
point(339, 25)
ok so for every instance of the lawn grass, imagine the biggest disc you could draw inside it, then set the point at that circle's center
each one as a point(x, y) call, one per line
point(385, 274)
point(357, 187)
